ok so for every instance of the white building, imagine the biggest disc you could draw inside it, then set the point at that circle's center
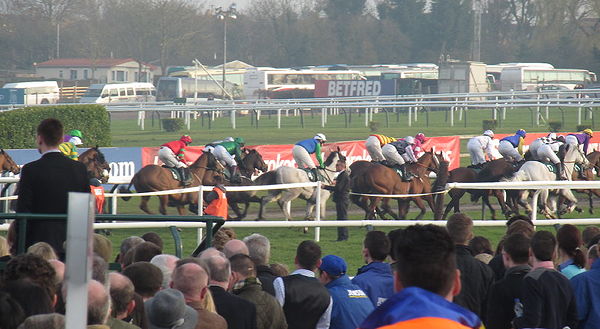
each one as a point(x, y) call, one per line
point(102, 70)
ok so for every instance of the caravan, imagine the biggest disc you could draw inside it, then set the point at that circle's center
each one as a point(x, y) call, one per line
point(37, 92)
point(134, 92)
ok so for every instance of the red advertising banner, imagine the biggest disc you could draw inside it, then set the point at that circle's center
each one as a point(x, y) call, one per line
point(281, 155)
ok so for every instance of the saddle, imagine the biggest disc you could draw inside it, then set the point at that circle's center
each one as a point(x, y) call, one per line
point(175, 172)
point(313, 176)
point(550, 166)
point(396, 169)
point(477, 168)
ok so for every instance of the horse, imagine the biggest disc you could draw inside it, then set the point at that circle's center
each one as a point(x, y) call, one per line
point(96, 164)
point(492, 171)
point(251, 162)
point(152, 178)
point(588, 175)
point(286, 175)
point(7, 164)
point(537, 171)
point(374, 178)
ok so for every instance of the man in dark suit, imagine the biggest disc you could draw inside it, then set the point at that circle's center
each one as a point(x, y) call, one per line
point(238, 312)
point(341, 192)
point(45, 184)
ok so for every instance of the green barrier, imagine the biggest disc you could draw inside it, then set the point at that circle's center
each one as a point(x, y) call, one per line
point(213, 223)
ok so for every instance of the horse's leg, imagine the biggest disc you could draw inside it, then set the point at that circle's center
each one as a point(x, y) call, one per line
point(163, 200)
point(263, 203)
point(387, 209)
point(503, 206)
point(430, 203)
point(419, 202)
point(372, 205)
point(245, 211)
point(486, 201)
point(403, 207)
point(181, 210)
point(236, 209)
point(448, 207)
point(144, 205)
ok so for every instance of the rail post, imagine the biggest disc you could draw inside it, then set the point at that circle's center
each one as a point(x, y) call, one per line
point(318, 211)
point(200, 213)
point(278, 118)
point(232, 114)
point(410, 116)
point(534, 206)
point(323, 113)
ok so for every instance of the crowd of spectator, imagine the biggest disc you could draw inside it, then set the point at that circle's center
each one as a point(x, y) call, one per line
point(423, 276)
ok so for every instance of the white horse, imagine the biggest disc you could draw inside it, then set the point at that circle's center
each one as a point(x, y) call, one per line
point(287, 175)
point(537, 171)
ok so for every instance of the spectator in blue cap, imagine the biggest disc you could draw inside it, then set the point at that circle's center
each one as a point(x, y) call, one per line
point(351, 306)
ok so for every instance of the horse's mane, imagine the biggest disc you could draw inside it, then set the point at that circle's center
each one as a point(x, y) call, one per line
point(331, 156)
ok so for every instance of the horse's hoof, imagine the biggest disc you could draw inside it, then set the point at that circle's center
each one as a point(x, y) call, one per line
point(305, 230)
point(579, 210)
point(309, 218)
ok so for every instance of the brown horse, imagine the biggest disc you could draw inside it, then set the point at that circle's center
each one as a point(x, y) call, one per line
point(7, 163)
point(374, 178)
point(96, 164)
point(152, 178)
point(252, 161)
point(493, 171)
point(588, 175)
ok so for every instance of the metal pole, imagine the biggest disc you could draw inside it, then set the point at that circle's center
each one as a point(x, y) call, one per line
point(579, 115)
point(534, 203)
point(200, 213)
point(410, 116)
point(323, 117)
point(278, 118)
point(232, 113)
point(318, 211)
point(224, 50)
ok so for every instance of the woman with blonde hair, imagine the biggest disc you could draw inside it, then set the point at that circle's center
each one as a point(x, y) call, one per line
point(43, 250)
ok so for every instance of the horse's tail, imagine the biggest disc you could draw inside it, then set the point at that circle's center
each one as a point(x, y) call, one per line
point(127, 189)
point(439, 185)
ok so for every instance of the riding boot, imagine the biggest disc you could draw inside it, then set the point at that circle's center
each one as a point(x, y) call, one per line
point(315, 172)
point(235, 175)
point(186, 179)
point(406, 176)
point(562, 172)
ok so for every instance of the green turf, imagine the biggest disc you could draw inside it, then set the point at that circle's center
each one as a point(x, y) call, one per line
point(284, 241)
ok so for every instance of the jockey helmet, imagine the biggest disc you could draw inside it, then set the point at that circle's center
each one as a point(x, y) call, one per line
point(588, 132)
point(420, 137)
point(320, 137)
point(75, 133)
point(186, 139)
point(410, 139)
point(552, 135)
point(228, 139)
point(239, 140)
point(560, 138)
point(75, 140)
point(488, 133)
point(521, 133)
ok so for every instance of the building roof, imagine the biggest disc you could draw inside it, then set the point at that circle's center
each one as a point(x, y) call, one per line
point(88, 62)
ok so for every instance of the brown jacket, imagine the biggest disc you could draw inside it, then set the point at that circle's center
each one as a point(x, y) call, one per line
point(269, 314)
point(206, 319)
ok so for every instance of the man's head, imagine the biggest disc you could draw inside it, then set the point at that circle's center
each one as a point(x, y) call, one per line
point(192, 280)
point(340, 165)
point(460, 228)
point(98, 303)
point(308, 255)
point(144, 252)
point(166, 263)
point(593, 255)
point(543, 246)
point(99, 269)
point(242, 267)
point(332, 268)
point(589, 233)
point(426, 259)
point(49, 133)
point(259, 248)
point(376, 247)
point(127, 244)
point(219, 268)
point(146, 278)
point(515, 250)
point(234, 247)
point(154, 238)
point(34, 268)
point(121, 293)
point(167, 309)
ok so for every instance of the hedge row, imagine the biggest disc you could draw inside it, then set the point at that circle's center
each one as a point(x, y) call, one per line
point(18, 127)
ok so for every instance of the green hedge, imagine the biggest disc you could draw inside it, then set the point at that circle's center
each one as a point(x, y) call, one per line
point(18, 127)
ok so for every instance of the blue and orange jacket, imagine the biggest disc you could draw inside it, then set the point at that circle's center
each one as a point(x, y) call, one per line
point(414, 308)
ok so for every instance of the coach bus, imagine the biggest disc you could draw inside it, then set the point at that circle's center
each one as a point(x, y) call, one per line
point(530, 78)
point(133, 92)
point(286, 83)
point(191, 89)
point(38, 92)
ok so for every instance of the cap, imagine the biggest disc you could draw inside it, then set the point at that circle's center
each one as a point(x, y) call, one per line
point(333, 265)
point(167, 309)
point(75, 140)
point(488, 133)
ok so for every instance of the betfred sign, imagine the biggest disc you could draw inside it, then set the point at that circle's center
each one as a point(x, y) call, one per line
point(349, 88)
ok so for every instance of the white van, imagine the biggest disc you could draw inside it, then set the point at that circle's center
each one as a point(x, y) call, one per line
point(38, 92)
point(134, 92)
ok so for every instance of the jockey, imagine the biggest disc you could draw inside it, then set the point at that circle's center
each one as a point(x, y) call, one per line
point(172, 154)
point(72, 133)
point(547, 152)
point(373, 145)
point(419, 141)
point(304, 148)
point(69, 148)
point(229, 154)
point(211, 146)
point(479, 147)
point(581, 138)
point(399, 152)
point(511, 147)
